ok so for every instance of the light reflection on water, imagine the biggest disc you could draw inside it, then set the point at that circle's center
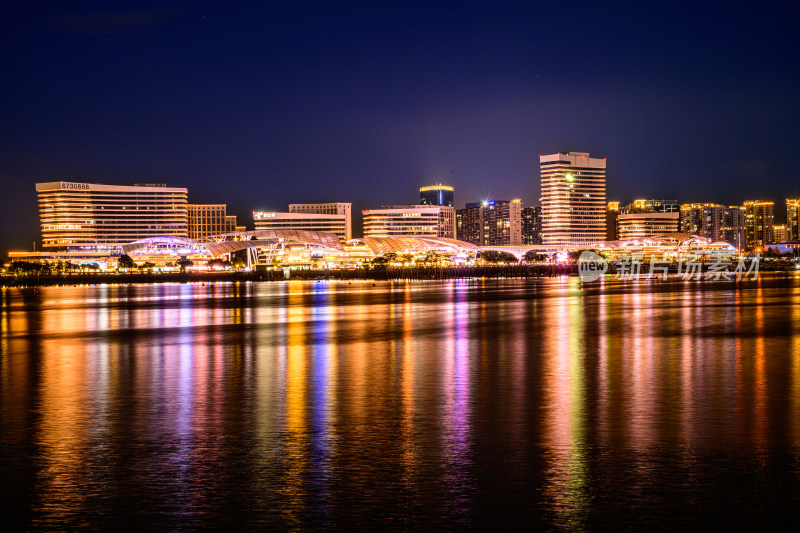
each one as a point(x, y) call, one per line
point(428, 404)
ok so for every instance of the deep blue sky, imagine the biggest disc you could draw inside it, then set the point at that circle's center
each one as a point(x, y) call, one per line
point(297, 101)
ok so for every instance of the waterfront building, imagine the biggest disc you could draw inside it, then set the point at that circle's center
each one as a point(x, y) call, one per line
point(573, 198)
point(532, 225)
point(793, 219)
point(469, 225)
point(410, 220)
point(330, 208)
point(490, 223)
point(612, 214)
point(307, 221)
point(759, 223)
point(92, 216)
point(436, 195)
point(779, 233)
point(734, 226)
point(647, 224)
point(209, 219)
point(705, 220)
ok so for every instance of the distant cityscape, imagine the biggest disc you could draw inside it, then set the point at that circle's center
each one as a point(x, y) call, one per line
point(88, 222)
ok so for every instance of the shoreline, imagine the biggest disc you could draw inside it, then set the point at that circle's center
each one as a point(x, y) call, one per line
point(391, 273)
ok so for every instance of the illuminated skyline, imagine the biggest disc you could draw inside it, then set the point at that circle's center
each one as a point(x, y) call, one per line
point(261, 106)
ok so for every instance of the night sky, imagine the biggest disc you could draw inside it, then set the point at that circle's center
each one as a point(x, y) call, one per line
point(364, 102)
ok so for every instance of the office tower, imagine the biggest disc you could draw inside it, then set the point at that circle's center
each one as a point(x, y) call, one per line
point(793, 219)
point(532, 225)
point(779, 231)
point(704, 220)
point(436, 195)
point(647, 224)
point(409, 220)
point(332, 208)
point(332, 223)
point(759, 223)
point(491, 223)
point(734, 226)
point(612, 214)
point(92, 216)
point(209, 219)
point(573, 198)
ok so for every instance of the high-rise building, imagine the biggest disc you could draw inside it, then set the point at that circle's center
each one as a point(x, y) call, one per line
point(573, 198)
point(491, 223)
point(647, 224)
point(331, 208)
point(760, 223)
point(410, 220)
point(704, 220)
point(532, 225)
point(92, 216)
point(733, 226)
point(612, 215)
point(436, 195)
point(209, 219)
point(469, 223)
point(268, 220)
point(793, 219)
point(780, 232)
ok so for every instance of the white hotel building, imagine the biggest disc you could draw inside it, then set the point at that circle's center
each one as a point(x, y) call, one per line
point(95, 217)
point(331, 208)
point(410, 220)
point(573, 198)
point(268, 220)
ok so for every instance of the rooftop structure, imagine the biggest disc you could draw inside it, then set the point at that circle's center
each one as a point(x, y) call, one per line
point(436, 195)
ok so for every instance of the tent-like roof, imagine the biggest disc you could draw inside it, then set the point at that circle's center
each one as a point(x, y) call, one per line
point(168, 241)
point(321, 238)
point(383, 245)
point(267, 238)
point(666, 239)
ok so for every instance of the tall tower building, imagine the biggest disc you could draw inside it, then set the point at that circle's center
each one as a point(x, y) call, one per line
point(780, 232)
point(705, 220)
point(733, 227)
point(490, 223)
point(793, 219)
point(436, 195)
point(612, 215)
point(532, 225)
point(760, 223)
point(573, 198)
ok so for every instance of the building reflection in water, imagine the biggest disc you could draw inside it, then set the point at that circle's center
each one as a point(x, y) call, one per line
point(355, 404)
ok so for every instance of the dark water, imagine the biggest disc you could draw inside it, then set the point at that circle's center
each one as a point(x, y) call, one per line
point(517, 404)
